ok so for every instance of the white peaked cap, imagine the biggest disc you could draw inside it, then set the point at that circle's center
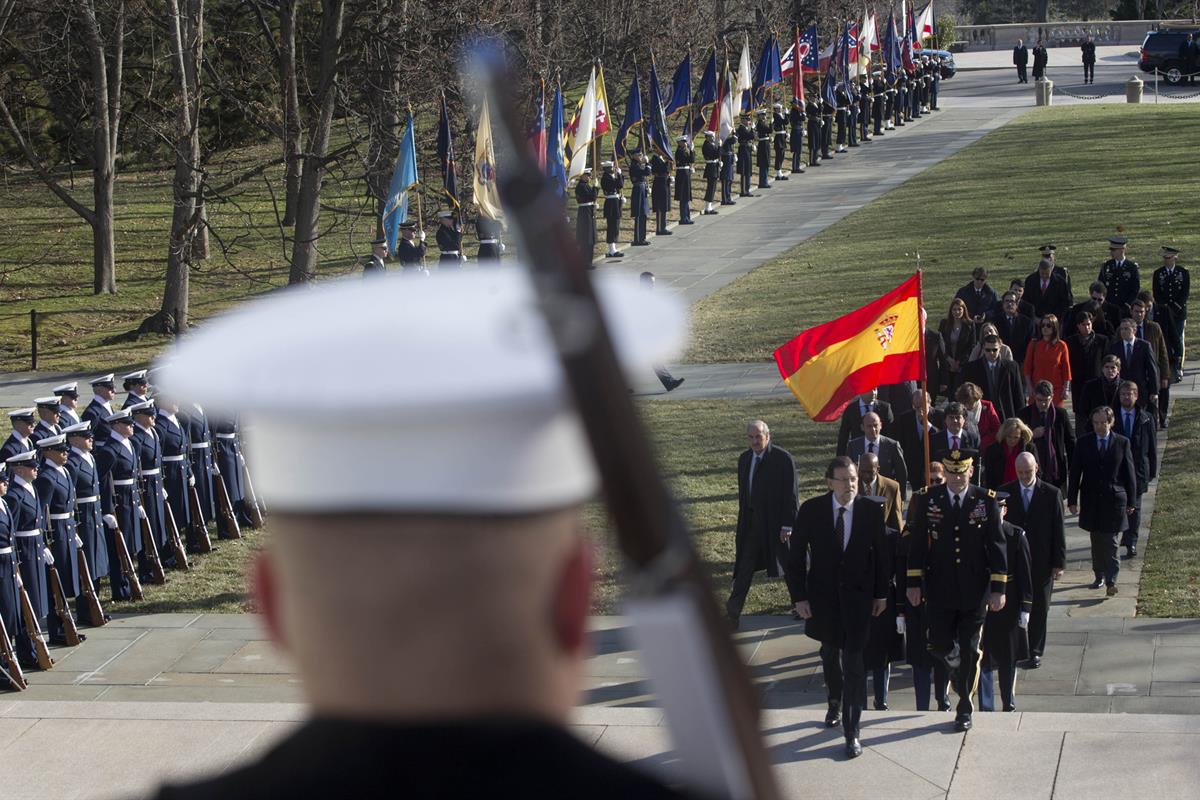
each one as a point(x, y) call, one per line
point(470, 414)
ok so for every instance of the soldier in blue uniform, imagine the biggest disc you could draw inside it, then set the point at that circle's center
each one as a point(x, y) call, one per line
point(762, 130)
point(745, 154)
point(227, 435)
point(843, 118)
point(68, 403)
point(878, 99)
point(10, 609)
point(1006, 632)
point(611, 184)
point(47, 424)
point(137, 388)
point(410, 248)
point(864, 108)
point(585, 214)
point(377, 263)
point(202, 463)
point(28, 522)
point(1120, 275)
point(19, 440)
point(812, 110)
point(957, 553)
point(660, 193)
point(82, 466)
point(935, 79)
point(711, 152)
point(728, 168)
point(1172, 286)
point(779, 127)
point(796, 120)
point(150, 476)
point(56, 491)
point(490, 245)
point(639, 198)
point(117, 465)
point(449, 240)
point(685, 157)
point(100, 408)
point(175, 441)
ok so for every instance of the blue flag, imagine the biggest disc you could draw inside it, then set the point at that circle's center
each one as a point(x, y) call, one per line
point(891, 48)
point(844, 57)
point(404, 177)
point(766, 75)
point(656, 123)
point(829, 86)
point(633, 116)
point(556, 167)
point(809, 55)
point(706, 95)
point(681, 86)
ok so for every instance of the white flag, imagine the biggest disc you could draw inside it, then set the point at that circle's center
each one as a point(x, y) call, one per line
point(585, 128)
point(924, 24)
point(487, 194)
point(745, 79)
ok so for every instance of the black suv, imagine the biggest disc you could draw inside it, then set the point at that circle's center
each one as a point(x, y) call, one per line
point(1161, 52)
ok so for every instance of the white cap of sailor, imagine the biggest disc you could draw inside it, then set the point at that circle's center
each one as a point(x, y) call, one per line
point(477, 415)
point(71, 388)
point(26, 414)
point(27, 459)
point(58, 442)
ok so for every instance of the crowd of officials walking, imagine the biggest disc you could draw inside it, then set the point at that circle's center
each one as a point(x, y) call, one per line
point(952, 570)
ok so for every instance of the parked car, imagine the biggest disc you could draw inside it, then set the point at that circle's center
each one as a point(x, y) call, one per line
point(948, 68)
point(1161, 53)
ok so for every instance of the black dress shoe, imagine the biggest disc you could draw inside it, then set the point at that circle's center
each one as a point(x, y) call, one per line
point(881, 706)
point(853, 747)
point(686, 222)
point(710, 213)
point(1010, 708)
point(962, 723)
point(833, 716)
point(664, 232)
point(1097, 584)
point(1033, 662)
point(1132, 550)
point(641, 244)
point(943, 706)
point(675, 383)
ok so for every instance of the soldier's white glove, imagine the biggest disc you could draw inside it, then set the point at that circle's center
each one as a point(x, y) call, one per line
point(502, 247)
point(461, 257)
point(142, 513)
point(78, 541)
point(213, 470)
point(900, 625)
point(48, 556)
point(422, 235)
point(1023, 619)
point(191, 480)
point(110, 522)
point(164, 492)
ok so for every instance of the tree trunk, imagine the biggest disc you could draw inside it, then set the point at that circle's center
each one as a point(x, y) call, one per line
point(293, 135)
point(308, 208)
point(105, 117)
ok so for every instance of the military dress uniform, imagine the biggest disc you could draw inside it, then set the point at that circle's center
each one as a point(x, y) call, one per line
point(1171, 289)
point(796, 120)
point(843, 118)
point(150, 476)
point(410, 253)
point(935, 78)
point(175, 441)
point(98, 411)
point(685, 157)
point(10, 609)
point(200, 437)
point(828, 112)
point(88, 525)
point(56, 491)
point(762, 129)
point(490, 246)
point(449, 241)
point(878, 99)
point(729, 159)
point(43, 430)
point(639, 201)
point(779, 126)
point(585, 216)
point(864, 109)
point(611, 184)
point(117, 464)
point(957, 551)
point(903, 110)
point(1005, 639)
point(28, 521)
point(711, 152)
point(815, 132)
point(15, 445)
point(660, 193)
point(226, 433)
point(1122, 281)
point(745, 155)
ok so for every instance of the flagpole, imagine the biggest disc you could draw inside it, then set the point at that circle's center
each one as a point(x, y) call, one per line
point(417, 188)
point(924, 366)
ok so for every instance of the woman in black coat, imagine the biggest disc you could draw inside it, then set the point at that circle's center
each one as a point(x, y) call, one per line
point(958, 332)
point(1006, 632)
point(999, 459)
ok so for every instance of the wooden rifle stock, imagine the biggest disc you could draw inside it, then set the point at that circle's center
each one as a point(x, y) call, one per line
point(62, 609)
point(127, 566)
point(148, 544)
point(33, 628)
point(181, 559)
point(199, 526)
point(227, 520)
point(91, 603)
point(669, 581)
point(253, 510)
point(10, 667)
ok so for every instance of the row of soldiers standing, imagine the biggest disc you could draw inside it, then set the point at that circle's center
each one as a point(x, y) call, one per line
point(864, 109)
point(87, 492)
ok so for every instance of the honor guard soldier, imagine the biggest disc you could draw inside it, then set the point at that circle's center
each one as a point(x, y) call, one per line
point(878, 98)
point(410, 249)
point(815, 131)
point(957, 550)
point(227, 435)
point(745, 156)
point(47, 424)
point(10, 609)
point(203, 464)
point(1047, 251)
point(639, 197)
point(1172, 286)
point(488, 230)
point(68, 404)
point(393, 530)
point(685, 157)
point(117, 463)
point(377, 263)
point(828, 112)
point(903, 111)
point(585, 214)
point(175, 441)
point(56, 492)
point(1006, 632)
point(611, 184)
point(864, 108)
point(19, 441)
point(728, 168)
point(449, 241)
point(843, 118)
point(916, 86)
point(779, 126)
point(889, 101)
point(28, 520)
point(137, 388)
point(712, 169)
point(82, 466)
point(100, 408)
point(935, 78)
point(150, 476)
point(1120, 275)
point(762, 129)
point(660, 192)
point(796, 118)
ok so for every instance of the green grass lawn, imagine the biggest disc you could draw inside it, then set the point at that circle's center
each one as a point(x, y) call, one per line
point(1171, 574)
point(1067, 175)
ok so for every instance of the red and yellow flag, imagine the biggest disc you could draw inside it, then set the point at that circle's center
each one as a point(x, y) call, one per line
point(880, 343)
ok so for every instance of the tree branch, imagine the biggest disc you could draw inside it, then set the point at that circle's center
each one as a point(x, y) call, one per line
point(36, 163)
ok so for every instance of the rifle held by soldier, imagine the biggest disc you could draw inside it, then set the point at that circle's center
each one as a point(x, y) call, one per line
point(10, 667)
point(253, 510)
point(181, 559)
point(91, 603)
point(199, 528)
point(226, 520)
point(156, 568)
point(62, 609)
point(33, 628)
point(126, 562)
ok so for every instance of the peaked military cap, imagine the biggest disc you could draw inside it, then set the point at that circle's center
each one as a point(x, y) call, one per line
point(959, 461)
point(1168, 250)
point(58, 442)
point(71, 389)
point(26, 459)
point(135, 377)
point(47, 402)
point(103, 380)
point(146, 408)
point(1118, 241)
point(79, 429)
point(122, 415)
point(26, 414)
point(1047, 249)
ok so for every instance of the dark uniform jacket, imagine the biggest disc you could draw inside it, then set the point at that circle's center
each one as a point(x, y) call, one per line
point(56, 490)
point(409, 253)
point(712, 159)
point(14, 446)
point(838, 585)
point(87, 512)
point(1122, 281)
point(685, 157)
point(28, 514)
point(1171, 291)
point(1043, 526)
point(1056, 300)
point(1004, 641)
point(639, 206)
point(660, 194)
point(959, 557)
point(611, 183)
point(1143, 444)
point(1103, 486)
point(745, 137)
point(764, 507)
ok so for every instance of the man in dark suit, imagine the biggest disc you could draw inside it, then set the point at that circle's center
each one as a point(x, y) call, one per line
point(1000, 381)
point(891, 454)
point(1048, 292)
point(954, 436)
point(1086, 349)
point(852, 417)
point(1037, 507)
point(1152, 332)
point(838, 571)
point(767, 497)
point(1016, 329)
point(1100, 391)
point(1102, 489)
point(1137, 426)
point(1053, 434)
point(1105, 315)
point(1021, 60)
point(980, 298)
point(957, 551)
point(1137, 363)
point(910, 432)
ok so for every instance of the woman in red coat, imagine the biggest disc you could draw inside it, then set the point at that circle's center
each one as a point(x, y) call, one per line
point(981, 414)
point(1047, 359)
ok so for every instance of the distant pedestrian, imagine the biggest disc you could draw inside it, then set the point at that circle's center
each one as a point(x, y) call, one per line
point(1040, 59)
point(1089, 60)
point(1187, 58)
point(668, 380)
point(1021, 60)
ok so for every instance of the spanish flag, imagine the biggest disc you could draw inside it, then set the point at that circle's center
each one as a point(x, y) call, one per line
point(880, 343)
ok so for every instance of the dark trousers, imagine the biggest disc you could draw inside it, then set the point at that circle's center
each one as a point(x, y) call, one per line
point(743, 574)
point(841, 126)
point(613, 230)
point(745, 183)
point(685, 210)
point(710, 189)
point(1037, 616)
point(1022, 73)
point(797, 154)
point(639, 229)
point(826, 136)
point(1008, 684)
point(764, 169)
point(926, 678)
point(1164, 401)
point(881, 680)
point(956, 631)
point(846, 683)
point(727, 192)
point(1105, 563)
point(780, 154)
point(660, 220)
point(1130, 537)
point(1089, 72)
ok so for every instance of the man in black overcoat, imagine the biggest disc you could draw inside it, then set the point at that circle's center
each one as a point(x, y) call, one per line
point(1015, 328)
point(1137, 363)
point(767, 498)
point(838, 571)
point(1053, 434)
point(1021, 61)
point(1036, 507)
point(1103, 489)
point(1138, 427)
point(1048, 293)
point(1000, 380)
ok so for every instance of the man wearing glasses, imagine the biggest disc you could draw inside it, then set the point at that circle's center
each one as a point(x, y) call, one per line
point(1016, 329)
point(981, 299)
point(1000, 380)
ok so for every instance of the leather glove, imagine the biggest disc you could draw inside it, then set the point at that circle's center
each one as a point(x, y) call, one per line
point(1023, 619)
point(110, 522)
point(78, 541)
point(900, 625)
point(142, 513)
point(48, 556)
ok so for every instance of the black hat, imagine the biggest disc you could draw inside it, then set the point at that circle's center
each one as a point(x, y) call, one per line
point(407, 226)
point(1047, 249)
point(378, 242)
point(1118, 241)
